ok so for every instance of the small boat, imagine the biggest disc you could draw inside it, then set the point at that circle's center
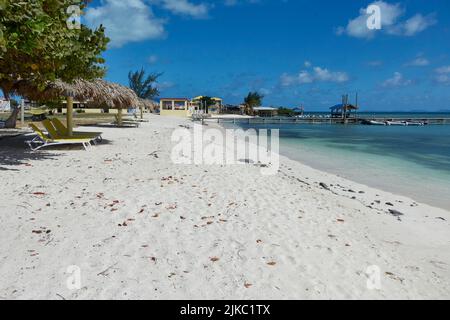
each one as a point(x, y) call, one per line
point(373, 123)
point(397, 123)
point(416, 124)
point(376, 123)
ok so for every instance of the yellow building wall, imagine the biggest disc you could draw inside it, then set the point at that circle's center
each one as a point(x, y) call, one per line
point(176, 113)
point(111, 111)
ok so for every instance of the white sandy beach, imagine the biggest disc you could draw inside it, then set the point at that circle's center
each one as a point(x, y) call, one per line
point(140, 227)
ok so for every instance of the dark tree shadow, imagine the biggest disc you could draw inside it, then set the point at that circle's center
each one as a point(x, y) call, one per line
point(112, 126)
point(14, 152)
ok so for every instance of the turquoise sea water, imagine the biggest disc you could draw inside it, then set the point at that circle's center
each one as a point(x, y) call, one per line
point(412, 161)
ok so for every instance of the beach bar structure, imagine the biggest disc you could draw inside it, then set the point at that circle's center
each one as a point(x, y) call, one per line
point(266, 112)
point(184, 107)
point(215, 108)
point(343, 111)
point(175, 107)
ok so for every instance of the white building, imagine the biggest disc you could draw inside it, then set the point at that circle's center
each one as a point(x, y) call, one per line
point(5, 105)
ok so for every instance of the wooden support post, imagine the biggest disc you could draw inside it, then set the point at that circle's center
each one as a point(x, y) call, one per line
point(119, 117)
point(70, 116)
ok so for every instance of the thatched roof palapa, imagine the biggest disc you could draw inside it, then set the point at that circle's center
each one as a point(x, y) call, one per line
point(100, 91)
point(148, 104)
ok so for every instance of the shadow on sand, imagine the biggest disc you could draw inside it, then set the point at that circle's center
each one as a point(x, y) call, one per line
point(110, 125)
point(14, 152)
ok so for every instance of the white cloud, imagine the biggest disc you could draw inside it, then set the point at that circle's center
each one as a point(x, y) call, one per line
point(418, 62)
point(153, 59)
point(184, 7)
point(328, 76)
point(231, 3)
point(390, 22)
point(165, 85)
point(419, 23)
point(134, 20)
point(126, 21)
point(375, 63)
point(443, 75)
point(317, 74)
point(397, 81)
point(358, 27)
point(265, 91)
point(414, 25)
point(443, 70)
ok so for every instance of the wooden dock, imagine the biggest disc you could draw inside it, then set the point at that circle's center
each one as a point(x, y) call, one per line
point(321, 120)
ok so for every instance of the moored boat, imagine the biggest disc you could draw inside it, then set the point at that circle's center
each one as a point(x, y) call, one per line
point(396, 123)
point(373, 123)
point(416, 124)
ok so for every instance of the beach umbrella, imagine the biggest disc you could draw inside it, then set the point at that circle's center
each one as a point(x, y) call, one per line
point(146, 104)
point(99, 91)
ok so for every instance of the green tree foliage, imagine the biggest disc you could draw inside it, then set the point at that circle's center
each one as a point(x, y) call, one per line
point(286, 112)
point(37, 45)
point(142, 85)
point(207, 102)
point(253, 100)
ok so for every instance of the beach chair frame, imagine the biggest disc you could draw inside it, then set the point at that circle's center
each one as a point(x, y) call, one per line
point(42, 141)
point(62, 131)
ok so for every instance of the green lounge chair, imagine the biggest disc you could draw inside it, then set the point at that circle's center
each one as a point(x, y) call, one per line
point(54, 134)
point(64, 132)
point(42, 141)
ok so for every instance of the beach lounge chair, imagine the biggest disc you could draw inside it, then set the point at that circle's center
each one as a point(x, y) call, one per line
point(127, 122)
point(42, 141)
point(54, 134)
point(64, 132)
point(138, 119)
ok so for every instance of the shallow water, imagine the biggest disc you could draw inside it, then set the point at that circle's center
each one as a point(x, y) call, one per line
point(411, 161)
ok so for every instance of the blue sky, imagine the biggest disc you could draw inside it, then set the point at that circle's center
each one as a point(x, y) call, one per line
point(293, 51)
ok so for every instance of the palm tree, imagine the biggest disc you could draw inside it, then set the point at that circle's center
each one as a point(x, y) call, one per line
point(253, 99)
point(206, 102)
point(144, 86)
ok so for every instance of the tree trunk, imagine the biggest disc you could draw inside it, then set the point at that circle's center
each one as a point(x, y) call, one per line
point(12, 120)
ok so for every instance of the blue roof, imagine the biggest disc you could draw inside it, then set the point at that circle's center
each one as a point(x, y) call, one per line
point(338, 106)
point(341, 106)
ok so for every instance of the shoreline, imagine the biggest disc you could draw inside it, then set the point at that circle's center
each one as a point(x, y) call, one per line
point(139, 226)
point(336, 176)
point(378, 175)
